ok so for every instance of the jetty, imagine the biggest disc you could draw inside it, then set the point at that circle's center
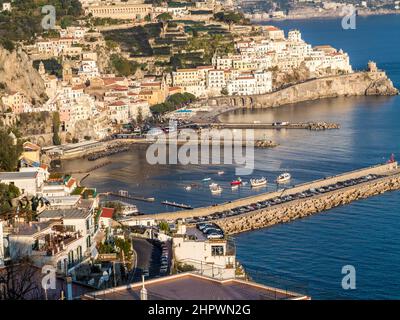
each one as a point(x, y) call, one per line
point(267, 209)
point(125, 195)
point(178, 205)
point(315, 126)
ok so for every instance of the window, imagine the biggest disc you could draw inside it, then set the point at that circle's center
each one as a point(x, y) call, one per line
point(217, 250)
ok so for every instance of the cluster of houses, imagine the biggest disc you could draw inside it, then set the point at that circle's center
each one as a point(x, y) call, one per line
point(250, 70)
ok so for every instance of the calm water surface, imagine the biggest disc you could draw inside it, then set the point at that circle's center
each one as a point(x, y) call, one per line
point(311, 252)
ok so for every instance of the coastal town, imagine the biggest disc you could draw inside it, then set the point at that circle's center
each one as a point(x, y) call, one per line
point(104, 77)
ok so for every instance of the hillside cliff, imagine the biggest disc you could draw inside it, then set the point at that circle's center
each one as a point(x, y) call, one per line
point(18, 74)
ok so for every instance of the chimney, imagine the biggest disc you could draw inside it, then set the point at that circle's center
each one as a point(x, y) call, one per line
point(69, 288)
point(143, 291)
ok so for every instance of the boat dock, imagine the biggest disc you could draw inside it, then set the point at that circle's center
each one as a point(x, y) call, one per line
point(298, 201)
point(277, 125)
point(177, 205)
point(125, 195)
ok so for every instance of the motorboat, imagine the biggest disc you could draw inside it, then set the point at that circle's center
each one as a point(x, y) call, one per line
point(215, 188)
point(237, 182)
point(258, 182)
point(284, 177)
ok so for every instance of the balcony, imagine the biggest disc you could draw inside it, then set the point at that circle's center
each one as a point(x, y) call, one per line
point(55, 243)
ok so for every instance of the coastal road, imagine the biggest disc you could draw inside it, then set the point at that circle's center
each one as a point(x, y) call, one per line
point(148, 258)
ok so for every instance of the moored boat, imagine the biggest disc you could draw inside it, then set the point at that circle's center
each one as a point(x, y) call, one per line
point(215, 188)
point(258, 182)
point(220, 173)
point(237, 182)
point(188, 188)
point(206, 179)
point(284, 177)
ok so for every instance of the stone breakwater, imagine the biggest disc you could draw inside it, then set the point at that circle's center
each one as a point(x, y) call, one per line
point(306, 207)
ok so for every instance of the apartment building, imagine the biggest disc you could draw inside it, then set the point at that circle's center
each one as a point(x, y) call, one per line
point(214, 258)
point(131, 9)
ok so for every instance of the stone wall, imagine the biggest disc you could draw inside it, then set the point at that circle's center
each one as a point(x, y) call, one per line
point(305, 207)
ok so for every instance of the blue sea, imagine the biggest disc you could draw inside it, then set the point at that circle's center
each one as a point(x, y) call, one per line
point(306, 255)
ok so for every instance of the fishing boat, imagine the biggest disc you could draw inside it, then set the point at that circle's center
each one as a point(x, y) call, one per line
point(206, 179)
point(258, 182)
point(215, 188)
point(237, 182)
point(220, 173)
point(284, 177)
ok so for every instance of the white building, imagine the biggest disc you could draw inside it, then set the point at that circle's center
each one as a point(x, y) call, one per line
point(213, 258)
point(48, 242)
point(250, 83)
point(29, 183)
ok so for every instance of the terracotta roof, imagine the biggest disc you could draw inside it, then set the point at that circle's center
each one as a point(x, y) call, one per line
point(71, 182)
point(118, 103)
point(107, 213)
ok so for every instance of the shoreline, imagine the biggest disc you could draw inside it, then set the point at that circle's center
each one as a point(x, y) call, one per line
point(302, 17)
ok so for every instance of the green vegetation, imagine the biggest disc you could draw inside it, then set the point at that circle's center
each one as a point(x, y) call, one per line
point(163, 225)
point(135, 40)
point(56, 129)
point(24, 21)
point(78, 191)
point(52, 66)
point(183, 267)
point(176, 101)
point(231, 17)
point(7, 193)
point(9, 153)
point(123, 66)
point(164, 17)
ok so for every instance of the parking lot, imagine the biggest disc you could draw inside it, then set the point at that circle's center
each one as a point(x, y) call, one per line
point(283, 199)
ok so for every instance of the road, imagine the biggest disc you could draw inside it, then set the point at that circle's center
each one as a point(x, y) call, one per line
point(148, 258)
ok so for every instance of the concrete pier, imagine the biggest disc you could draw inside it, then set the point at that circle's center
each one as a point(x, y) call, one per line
point(388, 179)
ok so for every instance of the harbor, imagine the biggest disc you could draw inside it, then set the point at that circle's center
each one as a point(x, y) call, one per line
point(295, 202)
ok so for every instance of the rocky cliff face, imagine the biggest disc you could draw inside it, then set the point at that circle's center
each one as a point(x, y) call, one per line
point(381, 87)
point(18, 74)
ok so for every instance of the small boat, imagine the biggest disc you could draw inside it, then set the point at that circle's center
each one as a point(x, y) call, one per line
point(220, 173)
point(258, 182)
point(284, 177)
point(235, 187)
point(215, 188)
point(236, 182)
point(188, 188)
point(206, 179)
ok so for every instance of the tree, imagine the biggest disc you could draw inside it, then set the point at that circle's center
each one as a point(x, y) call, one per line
point(164, 226)
point(9, 152)
point(7, 193)
point(56, 129)
point(20, 281)
point(123, 66)
point(163, 17)
point(139, 118)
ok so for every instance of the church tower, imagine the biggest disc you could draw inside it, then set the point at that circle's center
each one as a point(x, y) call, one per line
point(67, 72)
